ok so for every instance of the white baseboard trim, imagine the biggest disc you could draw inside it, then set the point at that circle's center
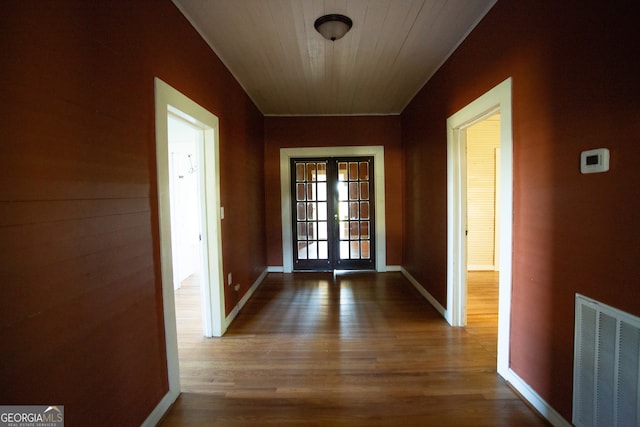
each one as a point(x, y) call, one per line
point(424, 293)
point(161, 408)
point(394, 268)
point(245, 298)
point(530, 395)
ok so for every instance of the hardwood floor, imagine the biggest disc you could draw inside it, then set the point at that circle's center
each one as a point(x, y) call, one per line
point(482, 308)
point(364, 349)
point(188, 320)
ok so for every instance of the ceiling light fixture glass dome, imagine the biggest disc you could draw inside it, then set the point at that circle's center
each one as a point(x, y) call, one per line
point(333, 26)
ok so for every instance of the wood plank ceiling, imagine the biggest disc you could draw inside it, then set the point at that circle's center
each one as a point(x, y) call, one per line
point(289, 69)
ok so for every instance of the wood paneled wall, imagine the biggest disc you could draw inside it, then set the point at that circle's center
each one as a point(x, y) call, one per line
point(286, 132)
point(575, 87)
point(81, 311)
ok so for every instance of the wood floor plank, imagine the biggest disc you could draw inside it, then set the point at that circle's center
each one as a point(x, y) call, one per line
point(360, 349)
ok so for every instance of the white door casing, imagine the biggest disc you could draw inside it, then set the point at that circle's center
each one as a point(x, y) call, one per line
point(168, 100)
point(286, 154)
point(497, 99)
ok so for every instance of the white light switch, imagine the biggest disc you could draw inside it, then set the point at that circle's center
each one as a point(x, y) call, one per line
point(594, 161)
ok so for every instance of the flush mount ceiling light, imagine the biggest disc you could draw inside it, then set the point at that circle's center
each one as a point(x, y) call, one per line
point(333, 26)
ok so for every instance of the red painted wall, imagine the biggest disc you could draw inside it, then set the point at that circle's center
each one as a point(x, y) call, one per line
point(81, 316)
point(575, 87)
point(287, 132)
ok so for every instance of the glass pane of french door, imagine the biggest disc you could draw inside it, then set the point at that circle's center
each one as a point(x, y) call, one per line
point(333, 213)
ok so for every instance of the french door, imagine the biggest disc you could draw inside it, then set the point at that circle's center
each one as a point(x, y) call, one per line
point(333, 212)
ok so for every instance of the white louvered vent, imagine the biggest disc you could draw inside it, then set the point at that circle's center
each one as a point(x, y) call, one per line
point(606, 372)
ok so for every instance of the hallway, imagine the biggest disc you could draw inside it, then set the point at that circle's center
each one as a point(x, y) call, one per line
point(359, 349)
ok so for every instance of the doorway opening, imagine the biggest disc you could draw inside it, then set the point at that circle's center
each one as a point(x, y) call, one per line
point(186, 199)
point(497, 100)
point(483, 172)
point(172, 106)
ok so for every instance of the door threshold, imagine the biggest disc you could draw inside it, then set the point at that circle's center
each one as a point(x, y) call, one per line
point(335, 272)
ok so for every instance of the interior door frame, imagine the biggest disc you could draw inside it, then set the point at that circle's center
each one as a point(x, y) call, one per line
point(497, 99)
point(167, 99)
point(286, 154)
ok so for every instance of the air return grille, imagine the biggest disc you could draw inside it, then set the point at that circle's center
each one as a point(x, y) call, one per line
point(606, 374)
